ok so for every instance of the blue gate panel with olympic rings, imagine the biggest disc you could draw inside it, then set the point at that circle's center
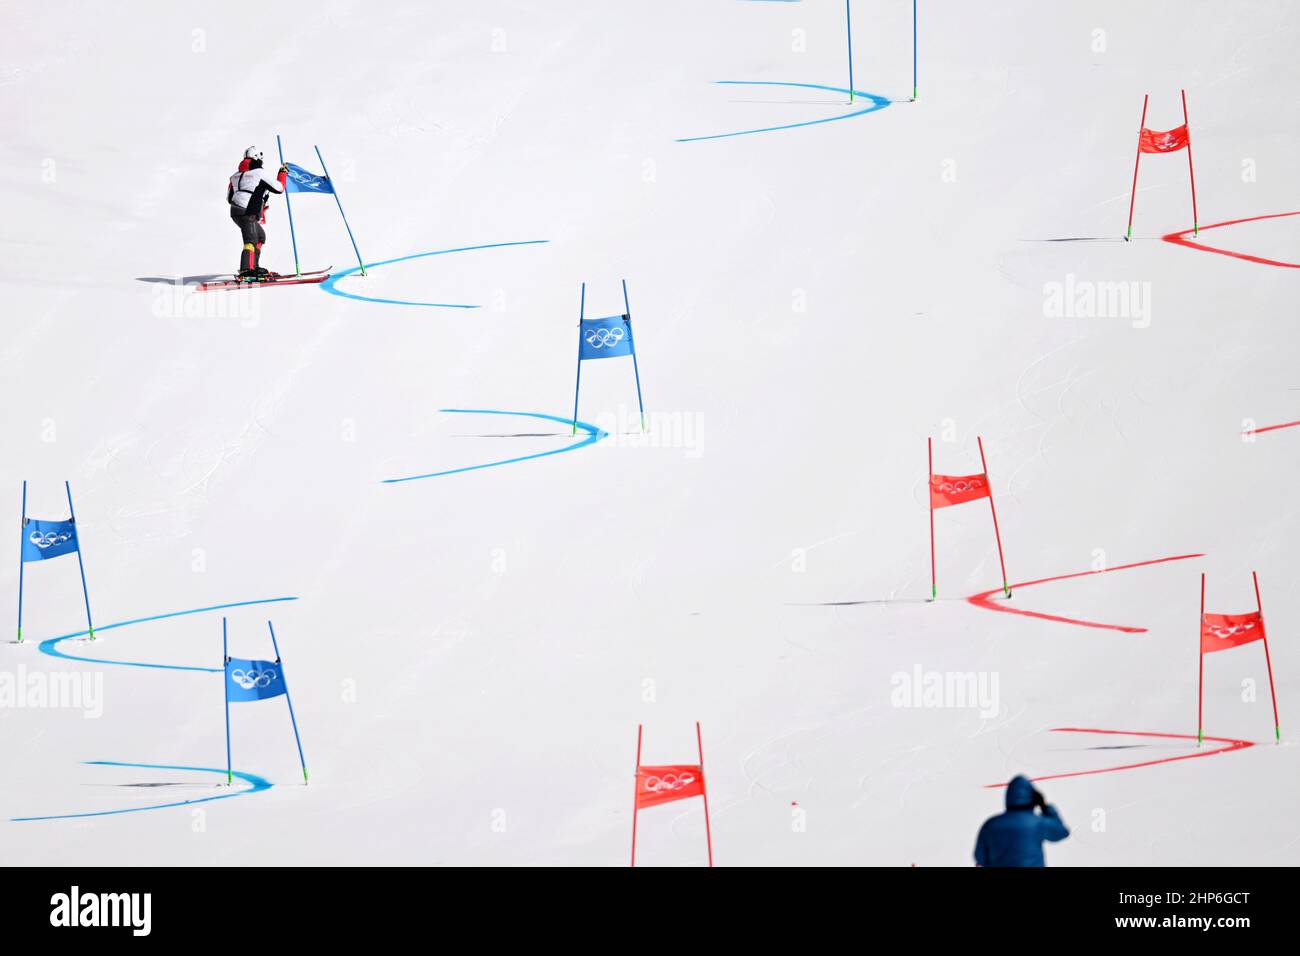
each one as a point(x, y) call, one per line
point(253, 680)
point(48, 539)
point(605, 338)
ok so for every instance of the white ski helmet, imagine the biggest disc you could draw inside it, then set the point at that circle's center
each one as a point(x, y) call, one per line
point(253, 152)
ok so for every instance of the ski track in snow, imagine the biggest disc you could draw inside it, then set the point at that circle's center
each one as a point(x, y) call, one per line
point(257, 785)
point(1180, 239)
point(985, 598)
point(877, 103)
point(1270, 428)
point(1229, 743)
point(594, 434)
point(50, 647)
point(330, 285)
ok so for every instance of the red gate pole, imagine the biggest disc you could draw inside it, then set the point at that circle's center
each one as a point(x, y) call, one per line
point(1136, 163)
point(1200, 660)
point(1190, 172)
point(996, 533)
point(929, 495)
point(1277, 727)
point(636, 791)
point(704, 792)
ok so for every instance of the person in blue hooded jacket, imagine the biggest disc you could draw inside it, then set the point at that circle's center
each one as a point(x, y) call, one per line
point(1015, 838)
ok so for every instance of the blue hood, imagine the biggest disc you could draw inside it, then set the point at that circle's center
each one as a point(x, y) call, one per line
point(1020, 793)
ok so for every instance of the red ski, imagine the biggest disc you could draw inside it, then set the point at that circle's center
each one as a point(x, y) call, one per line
point(305, 278)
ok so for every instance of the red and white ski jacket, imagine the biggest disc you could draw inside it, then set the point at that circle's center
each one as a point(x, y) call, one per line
point(248, 188)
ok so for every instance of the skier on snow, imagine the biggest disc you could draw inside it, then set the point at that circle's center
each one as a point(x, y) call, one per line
point(1015, 838)
point(247, 195)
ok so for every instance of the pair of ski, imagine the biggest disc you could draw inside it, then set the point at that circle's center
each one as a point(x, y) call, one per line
point(234, 282)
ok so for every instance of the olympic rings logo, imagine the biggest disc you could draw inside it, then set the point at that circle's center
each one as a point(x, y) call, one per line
point(957, 487)
point(669, 782)
point(306, 179)
point(1225, 631)
point(48, 539)
point(251, 679)
point(604, 338)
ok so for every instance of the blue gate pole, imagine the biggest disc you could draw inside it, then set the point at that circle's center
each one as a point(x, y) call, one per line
point(297, 270)
point(582, 310)
point(225, 693)
point(90, 625)
point(293, 720)
point(334, 187)
point(21, 562)
point(631, 340)
point(848, 20)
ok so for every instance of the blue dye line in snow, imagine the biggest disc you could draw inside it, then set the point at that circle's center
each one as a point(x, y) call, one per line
point(257, 785)
point(330, 285)
point(877, 103)
point(50, 646)
point(594, 434)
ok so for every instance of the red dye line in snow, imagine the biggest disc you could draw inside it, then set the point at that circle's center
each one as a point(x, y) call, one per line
point(1180, 239)
point(984, 598)
point(1270, 428)
point(1230, 745)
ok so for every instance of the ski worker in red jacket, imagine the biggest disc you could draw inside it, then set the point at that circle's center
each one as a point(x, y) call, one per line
point(247, 195)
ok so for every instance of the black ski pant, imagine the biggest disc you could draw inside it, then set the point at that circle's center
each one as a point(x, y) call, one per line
point(253, 235)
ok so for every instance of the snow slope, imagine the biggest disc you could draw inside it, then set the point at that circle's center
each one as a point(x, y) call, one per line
point(470, 654)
